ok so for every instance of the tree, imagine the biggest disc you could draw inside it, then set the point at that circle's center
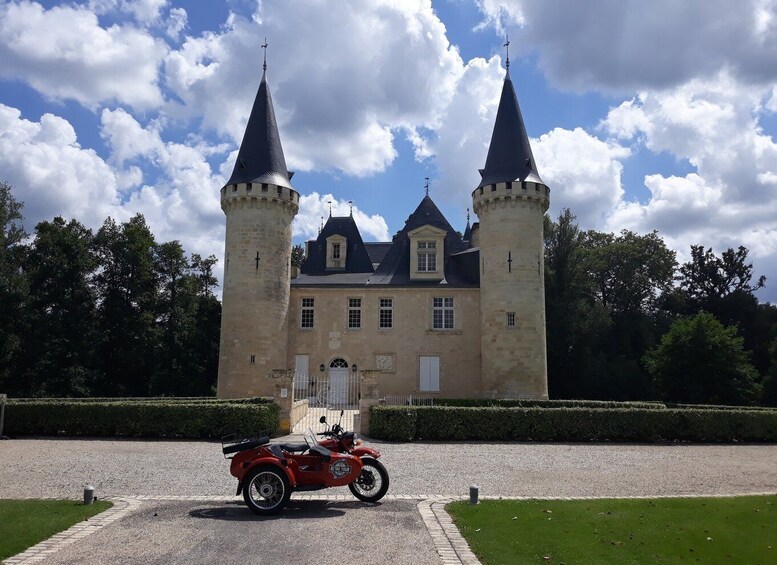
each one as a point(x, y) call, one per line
point(205, 342)
point(12, 285)
point(630, 271)
point(176, 308)
point(126, 284)
point(701, 361)
point(297, 255)
point(708, 278)
point(59, 347)
point(723, 286)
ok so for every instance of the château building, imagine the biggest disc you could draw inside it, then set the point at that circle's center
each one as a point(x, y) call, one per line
point(436, 312)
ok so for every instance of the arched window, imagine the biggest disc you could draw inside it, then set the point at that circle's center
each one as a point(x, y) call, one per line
point(338, 364)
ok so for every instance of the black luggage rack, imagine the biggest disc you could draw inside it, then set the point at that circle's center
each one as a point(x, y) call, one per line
point(234, 443)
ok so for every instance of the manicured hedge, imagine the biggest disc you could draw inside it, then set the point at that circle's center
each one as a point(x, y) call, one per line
point(404, 423)
point(528, 403)
point(139, 418)
point(163, 399)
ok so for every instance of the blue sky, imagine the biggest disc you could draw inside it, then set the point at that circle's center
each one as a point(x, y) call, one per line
point(643, 115)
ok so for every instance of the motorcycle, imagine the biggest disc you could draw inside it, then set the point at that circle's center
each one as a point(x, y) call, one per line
point(268, 473)
point(341, 441)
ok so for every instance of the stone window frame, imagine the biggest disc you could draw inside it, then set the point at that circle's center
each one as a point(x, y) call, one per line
point(307, 317)
point(443, 305)
point(339, 243)
point(425, 235)
point(510, 319)
point(354, 313)
point(387, 307)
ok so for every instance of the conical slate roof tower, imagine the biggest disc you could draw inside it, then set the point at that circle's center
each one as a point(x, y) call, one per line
point(510, 157)
point(510, 201)
point(260, 204)
point(260, 159)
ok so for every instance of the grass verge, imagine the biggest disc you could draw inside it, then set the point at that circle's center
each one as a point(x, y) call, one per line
point(667, 530)
point(23, 523)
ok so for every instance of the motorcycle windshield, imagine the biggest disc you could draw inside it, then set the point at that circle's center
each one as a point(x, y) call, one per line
point(310, 438)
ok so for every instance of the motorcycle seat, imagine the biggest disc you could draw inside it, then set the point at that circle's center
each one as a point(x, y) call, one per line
point(294, 447)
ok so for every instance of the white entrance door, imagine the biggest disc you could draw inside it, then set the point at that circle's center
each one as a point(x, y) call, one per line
point(430, 374)
point(338, 382)
point(301, 363)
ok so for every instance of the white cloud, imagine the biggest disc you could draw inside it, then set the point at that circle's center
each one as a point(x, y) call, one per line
point(460, 142)
point(635, 44)
point(388, 67)
point(177, 21)
point(314, 209)
point(50, 171)
point(64, 53)
point(144, 11)
point(584, 173)
point(731, 198)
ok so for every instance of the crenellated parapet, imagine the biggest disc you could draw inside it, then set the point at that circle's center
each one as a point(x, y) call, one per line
point(254, 195)
point(511, 194)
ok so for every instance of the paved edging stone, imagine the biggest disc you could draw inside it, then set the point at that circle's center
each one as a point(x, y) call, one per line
point(121, 507)
point(448, 541)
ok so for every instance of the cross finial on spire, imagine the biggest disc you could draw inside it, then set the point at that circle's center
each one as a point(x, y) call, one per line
point(467, 215)
point(426, 186)
point(330, 207)
point(321, 227)
point(350, 203)
point(264, 46)
point(507, 49)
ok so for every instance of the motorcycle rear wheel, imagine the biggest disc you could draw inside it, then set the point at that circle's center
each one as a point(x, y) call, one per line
point(266, 490)
point(373, 482)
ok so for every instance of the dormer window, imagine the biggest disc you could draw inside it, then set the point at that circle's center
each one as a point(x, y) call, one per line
point(336, 252)
point(427, 246)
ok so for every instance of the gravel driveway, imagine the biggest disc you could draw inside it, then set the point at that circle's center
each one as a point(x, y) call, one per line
point(60, 467)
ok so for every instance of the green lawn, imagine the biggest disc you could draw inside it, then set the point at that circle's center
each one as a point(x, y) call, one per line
point(663, 530)
point(23, 523)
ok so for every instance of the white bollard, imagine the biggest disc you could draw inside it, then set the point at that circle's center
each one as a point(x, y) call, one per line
point(88, 494)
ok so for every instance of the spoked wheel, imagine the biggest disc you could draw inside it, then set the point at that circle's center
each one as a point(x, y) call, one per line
point(373, 482)
point(266, 490)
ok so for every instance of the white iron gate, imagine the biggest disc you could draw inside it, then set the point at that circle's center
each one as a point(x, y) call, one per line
point(327, 395)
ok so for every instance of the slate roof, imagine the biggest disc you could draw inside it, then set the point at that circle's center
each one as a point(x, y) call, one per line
point(357, 260)
point(395, 267)
point(467, 237)
point(460, 262)
point(509, 155)
point(260, 159)
point(377, 250)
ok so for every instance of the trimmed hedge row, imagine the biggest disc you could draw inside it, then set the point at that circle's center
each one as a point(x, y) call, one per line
point(162, 399)
point(190, 420)
point(528, 403)
point(406, 423)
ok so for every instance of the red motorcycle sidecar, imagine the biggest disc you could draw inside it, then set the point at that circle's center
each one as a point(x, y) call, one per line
point(268, 473)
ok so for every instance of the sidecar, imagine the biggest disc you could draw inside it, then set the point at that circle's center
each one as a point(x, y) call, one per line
point(268, 473)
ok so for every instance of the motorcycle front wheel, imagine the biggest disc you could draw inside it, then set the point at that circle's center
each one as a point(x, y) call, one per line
point(266, 490)
point(372, 483)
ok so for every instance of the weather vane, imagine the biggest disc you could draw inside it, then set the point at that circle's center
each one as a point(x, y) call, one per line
point(467, 215)
point(264, 46)
point(330, 207)
point(507, 48)
point(426, 186)
point(350, 203)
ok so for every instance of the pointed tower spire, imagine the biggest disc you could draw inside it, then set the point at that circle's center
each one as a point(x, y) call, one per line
point(509, 155)
point(468, 230)
point(260, 159)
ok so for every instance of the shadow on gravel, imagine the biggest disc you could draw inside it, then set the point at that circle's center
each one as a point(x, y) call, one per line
point(301, 509)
